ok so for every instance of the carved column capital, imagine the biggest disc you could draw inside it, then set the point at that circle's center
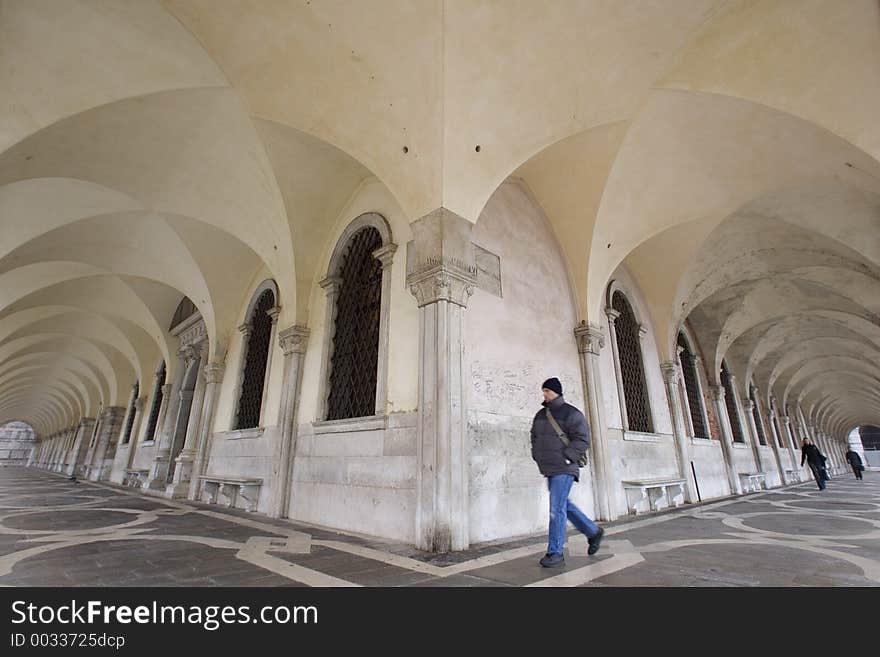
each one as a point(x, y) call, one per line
point(273, 313)
point(442, 282)
point(590, 338)
point(612, 314)
point(385, 254)
point(717, 393)
point(749, 405)
point(643, 331)
point(786, 420)
point(245, 329)
point(330, 285)
point(213, 372)
point(671, 371)
point(293, 340)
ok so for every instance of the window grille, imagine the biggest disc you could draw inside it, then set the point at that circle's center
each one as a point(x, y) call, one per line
point(354, 364)
point(629, 350)
point(730, 401)
point(695, 403)
point(250, 400)
point(130, 421)
point(756, 414)
point(157, 403)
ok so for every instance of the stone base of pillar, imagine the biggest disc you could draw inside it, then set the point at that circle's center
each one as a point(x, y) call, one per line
point(159, 476)
point(177, 491)
point(182, 473)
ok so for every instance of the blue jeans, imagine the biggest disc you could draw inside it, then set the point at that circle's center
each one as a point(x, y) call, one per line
point(561, 509)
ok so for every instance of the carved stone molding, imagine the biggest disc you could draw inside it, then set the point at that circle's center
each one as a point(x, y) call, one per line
point(590, 338)
point(671, 371)
point(213, 373)
point(442, 283)
point(385, 254)
point(612, 314)
point(194, 334)
point(717, 393)
point(293, 340)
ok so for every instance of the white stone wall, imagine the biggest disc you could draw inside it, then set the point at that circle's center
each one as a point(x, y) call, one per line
point(635, 457)
point(513, 344)
point(708, 459)
point(246, 454)
point(360, 480)
point(16, 443)
point(770, 469)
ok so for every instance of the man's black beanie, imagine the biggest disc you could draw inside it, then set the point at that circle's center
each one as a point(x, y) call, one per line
point(552, 384)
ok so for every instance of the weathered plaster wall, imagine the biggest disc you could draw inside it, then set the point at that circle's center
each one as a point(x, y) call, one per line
point(513, 344)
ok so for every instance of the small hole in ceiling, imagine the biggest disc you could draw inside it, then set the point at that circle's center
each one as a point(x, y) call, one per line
point(477, 148)
point(405, 150)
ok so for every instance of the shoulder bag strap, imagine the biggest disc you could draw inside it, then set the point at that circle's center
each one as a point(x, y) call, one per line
point(556, 428)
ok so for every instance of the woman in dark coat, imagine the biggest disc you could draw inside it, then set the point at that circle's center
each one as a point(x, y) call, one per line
point(811, 454)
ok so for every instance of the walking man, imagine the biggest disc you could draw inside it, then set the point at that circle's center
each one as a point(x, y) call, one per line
point(811, 454)
point(855, 462)
point(560, 440)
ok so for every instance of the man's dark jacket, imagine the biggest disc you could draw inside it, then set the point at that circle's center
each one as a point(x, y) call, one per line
point(812, 455)
point(853, 457)
point(549, 452)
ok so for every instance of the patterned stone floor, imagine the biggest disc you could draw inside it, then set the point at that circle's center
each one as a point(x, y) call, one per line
point(54, 532)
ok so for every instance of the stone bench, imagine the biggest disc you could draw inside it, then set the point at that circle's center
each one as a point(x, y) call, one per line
point(653, 494)
point(231, 488)
point(135, 477)
point(752, 482)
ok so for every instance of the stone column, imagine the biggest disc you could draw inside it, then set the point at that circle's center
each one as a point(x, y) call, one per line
point(330, 285)
point(105, 445)
point(671, 376)
point(726, 440)
point(80, 444)
point(786, 422)
point(590, 341)
point(748, 407)
point(293, 344)
point(158, 478)
point(134, 439)
point(618, 375)
point(213, 378)
point(442, 277)
point(183, 465)
point(775, 444)
point(385, 255)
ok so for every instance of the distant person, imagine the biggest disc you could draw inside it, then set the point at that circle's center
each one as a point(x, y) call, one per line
point(855, 462)
point(811, 454)
point(560, 439)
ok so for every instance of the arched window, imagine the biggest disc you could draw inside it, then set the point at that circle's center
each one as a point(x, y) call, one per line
point(692, 388)
point(157, 403)
point(632, 371)
point(259, 334)
point(354, 363)
point(129, 423)
point(756, 414)
point(730, 401)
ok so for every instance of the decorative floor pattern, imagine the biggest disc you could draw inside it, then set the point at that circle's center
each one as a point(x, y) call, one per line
point(54, 532)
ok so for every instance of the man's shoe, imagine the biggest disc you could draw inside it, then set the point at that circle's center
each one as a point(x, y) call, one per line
point(595, 542)
point(552, 560)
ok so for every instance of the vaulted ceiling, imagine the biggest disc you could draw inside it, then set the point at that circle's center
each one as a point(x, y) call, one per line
point(726, 152)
